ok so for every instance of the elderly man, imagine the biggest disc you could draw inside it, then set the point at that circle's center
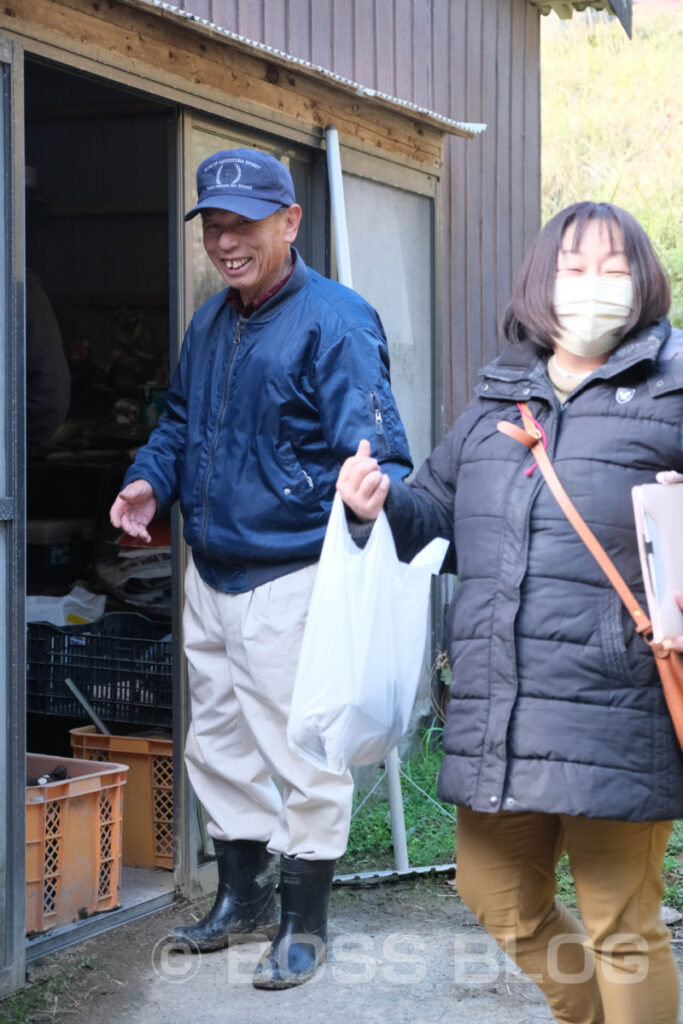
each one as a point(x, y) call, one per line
point(279, 378)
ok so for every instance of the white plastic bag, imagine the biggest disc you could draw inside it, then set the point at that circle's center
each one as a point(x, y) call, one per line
point(75, 608)
point(363, 647)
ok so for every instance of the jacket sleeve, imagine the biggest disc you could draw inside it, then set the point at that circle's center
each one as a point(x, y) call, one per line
point(424, 508)
point(158, 461)
point(355, 400)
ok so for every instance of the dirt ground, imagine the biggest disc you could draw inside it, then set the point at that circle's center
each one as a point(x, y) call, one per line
point(407, 952)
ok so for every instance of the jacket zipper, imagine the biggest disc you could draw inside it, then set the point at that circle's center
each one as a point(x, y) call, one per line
point(379, 424)
point(219, 420)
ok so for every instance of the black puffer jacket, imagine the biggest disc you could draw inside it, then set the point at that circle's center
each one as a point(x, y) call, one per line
point(556, 704)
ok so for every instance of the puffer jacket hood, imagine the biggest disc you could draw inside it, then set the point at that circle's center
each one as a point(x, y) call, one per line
point(556, 704)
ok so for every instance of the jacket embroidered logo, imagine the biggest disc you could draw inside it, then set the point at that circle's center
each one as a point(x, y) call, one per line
point(625, 395)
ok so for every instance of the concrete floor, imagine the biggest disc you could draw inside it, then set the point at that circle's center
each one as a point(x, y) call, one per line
point(402, 953)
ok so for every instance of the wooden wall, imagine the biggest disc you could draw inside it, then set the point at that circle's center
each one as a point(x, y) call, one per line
point(472, 60)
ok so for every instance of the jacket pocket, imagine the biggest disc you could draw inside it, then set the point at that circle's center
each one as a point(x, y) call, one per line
point(612, 638)
point(379, 435)
point(295, 480)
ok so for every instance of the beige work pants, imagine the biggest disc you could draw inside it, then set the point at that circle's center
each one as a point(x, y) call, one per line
point(242, 652)
point(620, 969)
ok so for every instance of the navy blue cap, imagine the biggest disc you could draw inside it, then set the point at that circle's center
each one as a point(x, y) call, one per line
point(244, 181)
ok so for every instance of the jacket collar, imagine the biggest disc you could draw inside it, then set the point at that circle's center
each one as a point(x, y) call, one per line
point(523, 366)
point(643, 348)
point(295, 282)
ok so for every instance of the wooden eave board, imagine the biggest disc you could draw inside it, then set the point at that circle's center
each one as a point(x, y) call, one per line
point(299, 66)
point(214, 69)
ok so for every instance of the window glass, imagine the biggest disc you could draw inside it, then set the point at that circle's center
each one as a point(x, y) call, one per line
point(390, 238)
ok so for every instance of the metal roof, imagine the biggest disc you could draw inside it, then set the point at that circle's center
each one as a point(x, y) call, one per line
point(445, 124)
point(565, 9)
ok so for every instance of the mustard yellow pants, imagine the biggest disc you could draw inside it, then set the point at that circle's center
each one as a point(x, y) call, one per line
point(618, 967)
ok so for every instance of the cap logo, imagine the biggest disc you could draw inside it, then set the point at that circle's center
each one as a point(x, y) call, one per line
point(625, 395)
point(222, 173)
point(228, 174)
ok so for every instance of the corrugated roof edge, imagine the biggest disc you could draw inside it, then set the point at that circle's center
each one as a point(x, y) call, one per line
point(565, 8)
point(445, 124)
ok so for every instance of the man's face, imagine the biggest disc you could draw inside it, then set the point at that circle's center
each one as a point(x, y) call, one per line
point(251, 255)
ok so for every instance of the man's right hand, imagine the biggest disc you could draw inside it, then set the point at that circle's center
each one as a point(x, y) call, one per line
point(134, 509)
point(362, 484)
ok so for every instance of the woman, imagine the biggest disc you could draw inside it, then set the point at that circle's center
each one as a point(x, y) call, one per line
point(557, 735)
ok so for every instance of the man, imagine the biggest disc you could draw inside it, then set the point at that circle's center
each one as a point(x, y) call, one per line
point(278, 380)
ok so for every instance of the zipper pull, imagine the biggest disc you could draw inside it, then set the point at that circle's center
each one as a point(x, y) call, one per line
point(379, 422)
point(238, 333)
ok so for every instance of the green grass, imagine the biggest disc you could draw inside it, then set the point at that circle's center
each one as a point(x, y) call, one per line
point(566, 891)
point(430, 833)
point(48, 999)
point(612, 122)
point(673, 869)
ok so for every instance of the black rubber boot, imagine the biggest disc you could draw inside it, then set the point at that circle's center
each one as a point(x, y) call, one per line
point(301, 941)
point(245, 907)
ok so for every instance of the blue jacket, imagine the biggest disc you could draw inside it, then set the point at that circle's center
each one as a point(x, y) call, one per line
point(260, 414)
point(556, 703)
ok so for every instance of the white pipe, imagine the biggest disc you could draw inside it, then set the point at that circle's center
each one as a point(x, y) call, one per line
point(398, 821)
point(341, 235)
point(341, 239)
point(88, 708)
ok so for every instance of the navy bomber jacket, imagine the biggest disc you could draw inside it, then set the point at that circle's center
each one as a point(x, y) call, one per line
point(260, 414)
point(556, 705)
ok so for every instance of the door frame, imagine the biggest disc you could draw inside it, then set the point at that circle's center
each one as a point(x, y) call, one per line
point(12, 524)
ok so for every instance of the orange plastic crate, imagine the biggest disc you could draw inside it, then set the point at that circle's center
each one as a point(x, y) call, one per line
point(148, 800)
point(73, 841)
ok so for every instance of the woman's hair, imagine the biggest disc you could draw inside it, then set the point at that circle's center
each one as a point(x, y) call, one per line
point(531, 310)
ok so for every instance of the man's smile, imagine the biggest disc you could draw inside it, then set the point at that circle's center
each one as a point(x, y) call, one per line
point(237, 264)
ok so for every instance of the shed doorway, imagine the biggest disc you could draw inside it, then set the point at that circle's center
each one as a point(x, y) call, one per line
point(100, 337)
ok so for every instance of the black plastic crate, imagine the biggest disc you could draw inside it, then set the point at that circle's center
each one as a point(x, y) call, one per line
point(122, 663)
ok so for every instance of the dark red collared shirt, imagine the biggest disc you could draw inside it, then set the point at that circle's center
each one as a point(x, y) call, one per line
point(234, 299)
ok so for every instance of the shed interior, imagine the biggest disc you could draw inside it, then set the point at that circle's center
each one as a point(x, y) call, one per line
point(98, 242)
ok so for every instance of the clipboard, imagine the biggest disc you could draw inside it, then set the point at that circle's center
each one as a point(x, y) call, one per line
point(658, 510)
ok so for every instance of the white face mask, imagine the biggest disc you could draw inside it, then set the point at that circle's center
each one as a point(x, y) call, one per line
point(591, 310)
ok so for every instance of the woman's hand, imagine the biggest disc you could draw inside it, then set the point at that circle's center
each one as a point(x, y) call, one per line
point(670, 476)
point(676, 644)
point(362, 484)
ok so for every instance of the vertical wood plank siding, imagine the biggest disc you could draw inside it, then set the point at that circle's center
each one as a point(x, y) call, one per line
point(472, 60)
